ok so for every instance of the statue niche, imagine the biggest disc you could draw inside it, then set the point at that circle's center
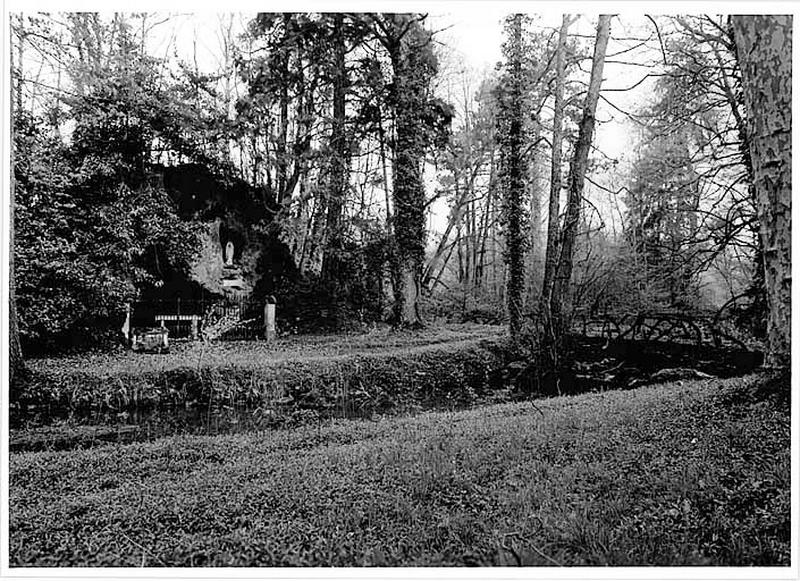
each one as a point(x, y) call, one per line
point(232, 278)
point(228, 254)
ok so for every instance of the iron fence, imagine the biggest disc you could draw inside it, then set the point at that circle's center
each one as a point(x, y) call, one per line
point(234, 318)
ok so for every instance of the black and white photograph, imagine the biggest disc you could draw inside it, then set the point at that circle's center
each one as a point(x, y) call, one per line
point(417, 285)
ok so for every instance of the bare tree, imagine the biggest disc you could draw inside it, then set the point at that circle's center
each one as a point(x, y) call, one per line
point(555, 164)
point(577, 173)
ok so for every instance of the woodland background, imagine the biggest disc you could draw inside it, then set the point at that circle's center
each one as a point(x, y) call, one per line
point(328, 139)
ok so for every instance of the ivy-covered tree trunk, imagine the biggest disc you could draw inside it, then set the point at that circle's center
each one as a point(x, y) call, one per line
point(577, 173)
point(555, 165)
point(410, 84)
point(513, 168)
point(409, 218)
point(16, 363)
point(282, 145)
point(764, 47)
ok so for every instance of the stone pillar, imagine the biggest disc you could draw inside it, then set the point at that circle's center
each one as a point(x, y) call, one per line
point(269, 319)
point(126, 326)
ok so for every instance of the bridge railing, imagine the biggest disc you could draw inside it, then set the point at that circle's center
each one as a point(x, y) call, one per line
point(665, 326)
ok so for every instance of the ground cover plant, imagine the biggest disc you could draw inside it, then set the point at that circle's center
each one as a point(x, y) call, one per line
point(371, 370)
point(687, 473)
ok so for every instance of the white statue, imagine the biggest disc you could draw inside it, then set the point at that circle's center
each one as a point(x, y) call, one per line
point(229, 254)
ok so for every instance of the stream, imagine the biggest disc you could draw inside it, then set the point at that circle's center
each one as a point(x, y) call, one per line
point(596, 366)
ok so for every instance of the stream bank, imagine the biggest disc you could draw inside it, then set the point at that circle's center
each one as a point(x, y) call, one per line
point(448, 376)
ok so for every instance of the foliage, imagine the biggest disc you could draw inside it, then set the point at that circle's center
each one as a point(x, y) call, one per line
point(461, 264)
point(91, 232)
point(326, 123)
point(353, 298)
point(465, 304)
point(321, 88)
point(292, 62)
point(663, 202)
point(683, 474)
point(79, 260)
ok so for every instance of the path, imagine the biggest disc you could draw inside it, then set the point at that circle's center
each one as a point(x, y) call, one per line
point(382, 342)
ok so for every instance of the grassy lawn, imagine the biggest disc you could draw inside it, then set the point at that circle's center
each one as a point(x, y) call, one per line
point(679, 474)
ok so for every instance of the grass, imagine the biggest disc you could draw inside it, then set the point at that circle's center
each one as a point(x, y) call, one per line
point(251, 354)
point(694, 473)
point(366, 371)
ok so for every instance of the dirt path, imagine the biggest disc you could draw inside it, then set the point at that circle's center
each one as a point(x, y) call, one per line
point(379, 352)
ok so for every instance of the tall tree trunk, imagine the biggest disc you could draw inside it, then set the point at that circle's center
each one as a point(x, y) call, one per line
point(534, 215)
point(492, 209)
point(577, 173)
point(469, 239)
point(409, 156)
point(480, 274)
point(282, 152)
point(460, 254)
point(555, 165)
point(764, 47)
point(386, 190)
point(16, 363)
point(387, 197)
point(510, 136)
point(18, 72)
point(340, 159)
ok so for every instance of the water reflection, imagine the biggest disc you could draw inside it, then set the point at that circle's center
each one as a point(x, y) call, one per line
point(55, 429)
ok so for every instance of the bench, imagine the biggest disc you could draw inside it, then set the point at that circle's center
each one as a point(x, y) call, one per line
point(194, 319)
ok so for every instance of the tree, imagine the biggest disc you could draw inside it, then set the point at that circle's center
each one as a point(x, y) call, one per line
point(16, 367)
point(511, 96)
point(333, 269)
point(764, 48)
point(662, 203)
point(339, 71)
point(466, 177)
point(419, 122)
point(555, 164)
point(339, 171)
point(698, 101)
point(278, 114)
point(577, 174)
point(16, 362)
